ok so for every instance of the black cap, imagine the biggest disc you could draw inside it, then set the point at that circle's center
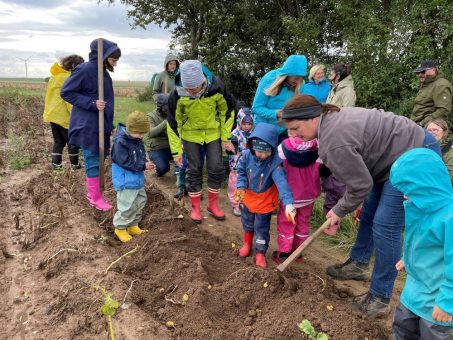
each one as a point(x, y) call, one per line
point(425, 65)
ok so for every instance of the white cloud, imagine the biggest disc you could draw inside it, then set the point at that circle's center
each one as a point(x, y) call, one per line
point(44, 31)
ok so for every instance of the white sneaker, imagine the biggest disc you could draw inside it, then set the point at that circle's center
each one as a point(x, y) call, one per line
point(237, 211)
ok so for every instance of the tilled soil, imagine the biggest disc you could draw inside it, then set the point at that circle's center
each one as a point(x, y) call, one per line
point(56, 250)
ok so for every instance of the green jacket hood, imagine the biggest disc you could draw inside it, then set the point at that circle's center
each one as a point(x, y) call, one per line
point(421, 175)
point(295, 65)
point(346, 82)
point(171, 57)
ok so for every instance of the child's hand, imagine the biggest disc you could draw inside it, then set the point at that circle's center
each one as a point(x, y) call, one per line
point(440, 315)
point(239, 195)
point(150, 166)
point(400, 265)
point(178, 160)
point(290, 212)
point(228, 146)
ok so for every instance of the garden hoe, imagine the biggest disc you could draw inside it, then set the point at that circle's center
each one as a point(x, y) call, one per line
point(282, 266)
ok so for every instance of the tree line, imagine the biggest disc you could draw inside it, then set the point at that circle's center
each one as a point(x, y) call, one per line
point(240, 40)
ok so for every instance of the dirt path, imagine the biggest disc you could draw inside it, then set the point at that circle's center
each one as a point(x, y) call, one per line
point(56, 249)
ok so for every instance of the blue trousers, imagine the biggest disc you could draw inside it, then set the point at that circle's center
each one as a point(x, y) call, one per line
point(91, 163)
point(259, 224)
point(161, 158)
point(381, 225)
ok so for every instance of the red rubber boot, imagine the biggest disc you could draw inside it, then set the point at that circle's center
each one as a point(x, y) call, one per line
point(260, 260)
point(213, 207)
point(247, 246)
point(195, 212)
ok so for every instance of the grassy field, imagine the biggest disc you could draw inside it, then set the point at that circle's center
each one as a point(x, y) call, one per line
point(125, 94)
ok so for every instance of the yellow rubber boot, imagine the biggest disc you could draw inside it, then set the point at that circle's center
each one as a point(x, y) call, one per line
point(123, 235)
point(135, 230)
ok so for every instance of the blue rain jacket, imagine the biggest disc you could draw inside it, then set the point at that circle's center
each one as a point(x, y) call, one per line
point(128, 161)
point(81, 90)
point(421, 175)
point(257, 175)
point(265, 107)
point(320, 91)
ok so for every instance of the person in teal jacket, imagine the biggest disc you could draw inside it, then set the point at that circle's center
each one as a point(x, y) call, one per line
point(275, 89)
point(318, 86)
point(426, 307)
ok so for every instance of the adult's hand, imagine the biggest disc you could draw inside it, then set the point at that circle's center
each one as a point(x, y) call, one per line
point(334, 218)
point(228, 146)
point(150, 166)
point(100, 104)
point(440, 315)
point(178, 160)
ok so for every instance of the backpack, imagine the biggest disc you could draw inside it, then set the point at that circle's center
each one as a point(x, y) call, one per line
point(153, 79)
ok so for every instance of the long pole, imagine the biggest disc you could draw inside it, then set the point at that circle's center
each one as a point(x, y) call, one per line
point(101, 112)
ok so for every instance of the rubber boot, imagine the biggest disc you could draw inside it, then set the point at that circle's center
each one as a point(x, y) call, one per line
point(260, 260)
point(195, 212)
point(213, 207)
point(135, 230)
point(74, 160)
point(247, 246)
point(181, 184)
point(94, 195)
point(56, 161)
point(123, 235)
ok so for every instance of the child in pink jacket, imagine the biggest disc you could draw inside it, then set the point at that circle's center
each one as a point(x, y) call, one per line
point(300, 161)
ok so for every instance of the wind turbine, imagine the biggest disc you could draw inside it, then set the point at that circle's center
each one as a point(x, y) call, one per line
point(26, 64)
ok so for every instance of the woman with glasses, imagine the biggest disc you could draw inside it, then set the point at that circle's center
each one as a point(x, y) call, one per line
point(439, 129)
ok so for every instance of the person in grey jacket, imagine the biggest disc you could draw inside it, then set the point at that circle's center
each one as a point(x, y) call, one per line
point(359, 146)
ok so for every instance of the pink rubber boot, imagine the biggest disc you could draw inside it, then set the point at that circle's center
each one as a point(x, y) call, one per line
point(94, 195)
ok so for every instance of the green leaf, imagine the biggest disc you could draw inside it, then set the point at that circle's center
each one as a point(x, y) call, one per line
point(322, 336)
point(306, 327)
point(110, 305)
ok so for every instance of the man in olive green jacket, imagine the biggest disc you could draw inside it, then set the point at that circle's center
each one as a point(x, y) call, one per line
point(165, 80)
point(434, 96)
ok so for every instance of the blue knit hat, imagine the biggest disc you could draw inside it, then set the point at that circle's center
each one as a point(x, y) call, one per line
point(191, 74)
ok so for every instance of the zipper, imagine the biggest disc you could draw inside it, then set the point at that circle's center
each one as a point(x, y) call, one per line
point(260, 185)
point(250, 177)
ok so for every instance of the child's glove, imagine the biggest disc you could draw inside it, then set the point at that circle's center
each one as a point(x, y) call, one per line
point(290, 212)
point(239, 195)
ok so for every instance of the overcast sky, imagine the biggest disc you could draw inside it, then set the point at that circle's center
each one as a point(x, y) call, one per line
point(44, 31)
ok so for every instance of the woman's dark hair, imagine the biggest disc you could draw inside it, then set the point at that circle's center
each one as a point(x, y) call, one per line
point(70, 62)
point(300, 101)
point(115, 54)
point(343, 70)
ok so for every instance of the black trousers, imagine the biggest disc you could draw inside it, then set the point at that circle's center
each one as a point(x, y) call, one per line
point(60, 140)
point(194, 173)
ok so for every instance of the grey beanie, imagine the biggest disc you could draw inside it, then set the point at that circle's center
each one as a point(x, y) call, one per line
point(191, 74)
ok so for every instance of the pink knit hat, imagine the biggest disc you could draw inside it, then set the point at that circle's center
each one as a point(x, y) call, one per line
point(297, 143)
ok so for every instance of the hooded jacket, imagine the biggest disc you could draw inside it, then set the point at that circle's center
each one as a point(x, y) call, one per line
point(343, 94)
point(320, 91)
point(265, 107)
point(81, 90)
point(433, 100)
point(165, 81)
point(200, 119)
point(56, 110)
point(128, 161)
point(263, 180)
point(428, 236)
point(239, 138)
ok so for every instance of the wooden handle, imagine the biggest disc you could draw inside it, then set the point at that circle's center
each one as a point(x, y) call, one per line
point(282, 266)
point(101, 112)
